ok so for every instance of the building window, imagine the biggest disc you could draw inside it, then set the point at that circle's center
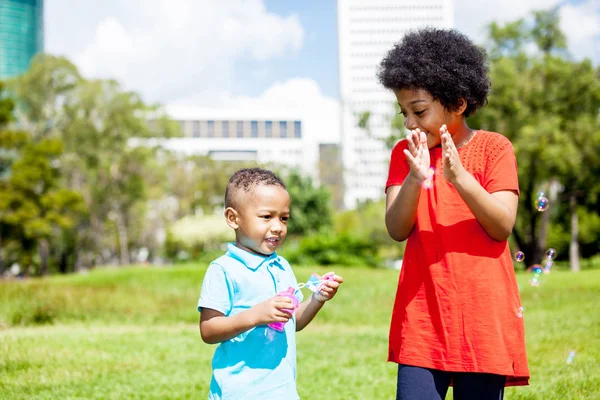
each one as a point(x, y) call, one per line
point(225, 129)
point(253, 128)
point(269, 128)
point(297, 129)
point(283, 129)
point(239, 129)
point(210, 128)
point(196, 129)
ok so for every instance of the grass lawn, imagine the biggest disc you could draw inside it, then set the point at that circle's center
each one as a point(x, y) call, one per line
point(133, 334)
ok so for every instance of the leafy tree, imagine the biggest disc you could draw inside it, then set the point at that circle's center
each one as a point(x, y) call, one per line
point(310, 210)
point(33, 206)
point(98, 124)
point(548, 106)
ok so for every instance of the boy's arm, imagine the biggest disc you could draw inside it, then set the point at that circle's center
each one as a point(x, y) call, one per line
point(307, 310)
point(215, 327)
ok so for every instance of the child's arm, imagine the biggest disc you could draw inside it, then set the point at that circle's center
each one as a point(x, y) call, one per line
point(401, 208)
point(308, 309)
point(216, 327)
point(495, 212)
point(402, 201)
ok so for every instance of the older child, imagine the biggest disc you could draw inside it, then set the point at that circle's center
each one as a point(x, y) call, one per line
point(452, 191)
point(239, 295)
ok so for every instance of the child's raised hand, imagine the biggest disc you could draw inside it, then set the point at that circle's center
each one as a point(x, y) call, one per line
point(275, 309)
point(451, 160)
point(329, 287)
point(417, 154)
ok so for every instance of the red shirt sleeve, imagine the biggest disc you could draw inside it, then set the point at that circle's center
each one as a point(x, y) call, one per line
point(501, 168)
point(399, 167)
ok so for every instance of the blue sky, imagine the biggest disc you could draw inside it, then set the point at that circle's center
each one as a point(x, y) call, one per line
point(317, 58)
point(223, 53)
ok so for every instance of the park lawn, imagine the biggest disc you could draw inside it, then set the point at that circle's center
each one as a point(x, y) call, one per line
point(132, 333)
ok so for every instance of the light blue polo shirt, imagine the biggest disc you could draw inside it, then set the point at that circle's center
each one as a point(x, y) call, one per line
point(259, 363)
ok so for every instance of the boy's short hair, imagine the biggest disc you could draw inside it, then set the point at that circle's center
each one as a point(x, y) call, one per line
point(443, 62)
point(246, 179)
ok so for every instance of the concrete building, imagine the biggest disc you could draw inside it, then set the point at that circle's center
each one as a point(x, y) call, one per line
point(234, 135)
point(367, 30)
point(21, 35)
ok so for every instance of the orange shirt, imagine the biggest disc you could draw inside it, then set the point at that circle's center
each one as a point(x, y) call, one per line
point(457, 303)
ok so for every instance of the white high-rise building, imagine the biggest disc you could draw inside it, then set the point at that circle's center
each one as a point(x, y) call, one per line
point(367, 30)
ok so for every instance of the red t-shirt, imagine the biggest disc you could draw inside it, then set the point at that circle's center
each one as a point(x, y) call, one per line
point(457, 303)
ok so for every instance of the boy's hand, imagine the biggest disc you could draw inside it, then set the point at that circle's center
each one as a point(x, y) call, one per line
point(417, 155)
point(274, 309)
point(329, 288)
point(453, 168)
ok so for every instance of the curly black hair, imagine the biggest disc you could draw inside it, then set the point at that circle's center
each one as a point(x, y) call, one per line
point(247, 179)
point(443, 62)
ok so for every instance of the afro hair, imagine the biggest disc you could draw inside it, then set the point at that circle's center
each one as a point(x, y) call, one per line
point(445, 63)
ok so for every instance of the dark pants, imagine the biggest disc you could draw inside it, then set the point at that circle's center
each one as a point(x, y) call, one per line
point(416, 383)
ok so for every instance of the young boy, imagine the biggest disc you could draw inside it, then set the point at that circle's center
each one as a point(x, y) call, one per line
point(239, 295)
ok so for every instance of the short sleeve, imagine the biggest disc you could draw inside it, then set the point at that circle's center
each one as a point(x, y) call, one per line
point(217, 290)
point(501, 169)
point(399, 167)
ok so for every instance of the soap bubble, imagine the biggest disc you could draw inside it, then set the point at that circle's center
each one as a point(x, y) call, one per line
point(570, 357)
point(536, 269)
point(542, 203)
point(551, 254)
point(519, 256)
point(520, 311)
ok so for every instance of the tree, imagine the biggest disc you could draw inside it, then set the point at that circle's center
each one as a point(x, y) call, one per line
point(310, 210)
point(548, 106)
point(33, 206)
point(96, 121)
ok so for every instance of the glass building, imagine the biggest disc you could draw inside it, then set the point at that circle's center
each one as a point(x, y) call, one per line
point(21, 35)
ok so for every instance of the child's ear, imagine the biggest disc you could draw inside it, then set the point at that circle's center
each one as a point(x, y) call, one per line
point(461, 107)
point(231, 217)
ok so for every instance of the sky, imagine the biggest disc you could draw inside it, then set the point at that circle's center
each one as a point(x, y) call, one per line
point(249, 54)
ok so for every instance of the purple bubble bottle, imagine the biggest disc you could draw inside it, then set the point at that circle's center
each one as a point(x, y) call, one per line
point(279, 326)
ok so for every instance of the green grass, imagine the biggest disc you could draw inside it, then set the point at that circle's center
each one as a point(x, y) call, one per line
point(132, 334)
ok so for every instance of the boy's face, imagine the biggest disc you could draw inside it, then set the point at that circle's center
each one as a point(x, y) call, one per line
point(261, 219)
point(421, 111)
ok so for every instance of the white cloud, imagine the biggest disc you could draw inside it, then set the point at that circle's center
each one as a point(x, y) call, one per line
point(473, 16)
point(296, 98)
point(579, 22)
point(582, 28)
point(166, 50)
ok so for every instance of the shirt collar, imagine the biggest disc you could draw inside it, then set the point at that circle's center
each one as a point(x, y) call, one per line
point(250, 260)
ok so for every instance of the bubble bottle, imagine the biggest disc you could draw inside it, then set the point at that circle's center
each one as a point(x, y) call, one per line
point(280, 326)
